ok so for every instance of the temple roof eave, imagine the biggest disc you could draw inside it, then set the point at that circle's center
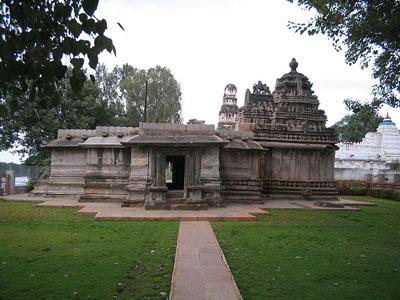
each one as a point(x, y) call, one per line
point(64, 143)
point(297, 145)
point(105, 142)
point(198, 140)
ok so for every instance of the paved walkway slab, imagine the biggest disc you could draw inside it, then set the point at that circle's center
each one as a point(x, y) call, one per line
point(200, 270)
point(232, 212)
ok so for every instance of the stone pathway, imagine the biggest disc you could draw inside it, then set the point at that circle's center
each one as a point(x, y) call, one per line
point(200, 270)
point(233, 212)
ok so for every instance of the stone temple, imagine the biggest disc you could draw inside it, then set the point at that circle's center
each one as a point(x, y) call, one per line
point(274, 147)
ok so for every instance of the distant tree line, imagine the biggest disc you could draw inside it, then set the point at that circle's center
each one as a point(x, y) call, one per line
point(20, 169)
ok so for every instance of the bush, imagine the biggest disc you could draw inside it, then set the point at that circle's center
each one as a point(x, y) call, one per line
point(343, 189)
point(358, 190)
point(31, 185)
point(384, 193)
point(396, 195)
point(374, 193)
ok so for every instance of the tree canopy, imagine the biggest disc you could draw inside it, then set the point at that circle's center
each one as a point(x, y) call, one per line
point(40, 38)
point(195, 121)
point(115, 99)
point(127, 86)
point(368, 31)
point(163, 93)
point(353, 127)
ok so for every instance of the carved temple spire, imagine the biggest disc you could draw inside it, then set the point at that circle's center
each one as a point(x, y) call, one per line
point(293, 65)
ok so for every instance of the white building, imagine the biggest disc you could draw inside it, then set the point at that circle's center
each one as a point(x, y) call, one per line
point(374, 158)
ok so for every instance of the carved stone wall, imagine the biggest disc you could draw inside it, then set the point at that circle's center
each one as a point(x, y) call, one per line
point(106, 175)
point(241, 175)
point(299, 161)
point(68, 165)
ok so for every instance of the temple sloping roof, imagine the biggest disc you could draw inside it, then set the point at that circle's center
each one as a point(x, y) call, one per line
point(162, 134)
point(287, 145)
point(244, 145)
point(184, 140)
point(105, 142)
point(64, 143)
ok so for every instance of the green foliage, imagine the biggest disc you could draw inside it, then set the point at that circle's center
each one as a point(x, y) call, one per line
point(396, 195)
point(306, 254)
point(49, 253)
point(362, 188)
point(368, 31)
point(114, 99)
point(164, 95)
point(31, 185)
point(358, 190)
point(126, 86)
point(385, 193)
point(195, 121)
point(32, 124)
point(352, 128)
point(38, 37)
point(395, 165)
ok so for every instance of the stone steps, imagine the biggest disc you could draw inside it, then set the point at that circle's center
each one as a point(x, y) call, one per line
point(175, 197)
point(102, 198)
point(176, 201)
point(189, 206)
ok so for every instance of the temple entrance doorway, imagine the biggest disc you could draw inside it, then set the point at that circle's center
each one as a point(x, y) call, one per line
point(175, 172)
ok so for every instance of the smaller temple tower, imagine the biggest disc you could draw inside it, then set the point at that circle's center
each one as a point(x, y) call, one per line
point(229, 108)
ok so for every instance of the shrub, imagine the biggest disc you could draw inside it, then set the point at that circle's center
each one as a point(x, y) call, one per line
point(31, 185)
point(343, 189)
point(358, 190)
point(374, 192)
point(387, 193)
point(384, 193)
point(396, 195)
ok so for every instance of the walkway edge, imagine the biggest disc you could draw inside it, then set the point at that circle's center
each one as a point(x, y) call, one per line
point(198, 256)
point(226, 263)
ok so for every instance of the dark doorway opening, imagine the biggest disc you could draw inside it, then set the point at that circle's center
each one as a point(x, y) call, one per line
point(175, 172)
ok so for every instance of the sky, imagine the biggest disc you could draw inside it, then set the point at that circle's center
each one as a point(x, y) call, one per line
point(208, 44)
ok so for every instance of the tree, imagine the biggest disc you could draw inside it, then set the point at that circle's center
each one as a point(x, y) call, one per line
point(115, 99)
point(30, 125)
point(195, 121)
point(364, 118)
point(368, 30)
point(39, 37)
point(128, 85)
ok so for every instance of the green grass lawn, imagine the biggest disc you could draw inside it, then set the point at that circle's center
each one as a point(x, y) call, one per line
point(49, 253)
point(305, 254)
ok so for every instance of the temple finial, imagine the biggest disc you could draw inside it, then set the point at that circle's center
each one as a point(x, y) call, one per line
point(293, 65)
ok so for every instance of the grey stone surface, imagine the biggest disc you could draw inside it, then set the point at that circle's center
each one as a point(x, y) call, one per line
point(200, 270)
point(274, 147)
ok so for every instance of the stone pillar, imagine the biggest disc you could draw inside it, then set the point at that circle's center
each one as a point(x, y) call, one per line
point(10, 182)
point(209, 173)
point(140, 175)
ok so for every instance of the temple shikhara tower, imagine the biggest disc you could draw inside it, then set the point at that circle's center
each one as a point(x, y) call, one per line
point(229, 108)
point(276, 146)
point(298, 149)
